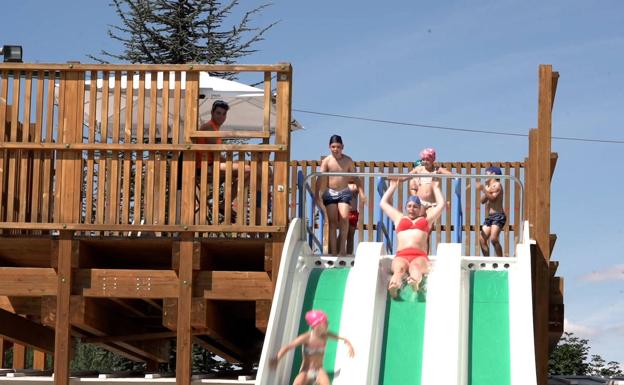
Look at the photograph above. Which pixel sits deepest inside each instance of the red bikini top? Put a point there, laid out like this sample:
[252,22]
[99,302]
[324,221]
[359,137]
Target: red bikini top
[406,224]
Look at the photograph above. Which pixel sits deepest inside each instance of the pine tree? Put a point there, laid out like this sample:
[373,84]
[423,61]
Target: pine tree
[183,31]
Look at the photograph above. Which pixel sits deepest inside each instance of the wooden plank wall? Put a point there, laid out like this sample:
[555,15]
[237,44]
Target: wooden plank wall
[443,230]
[131,154]
[27,115]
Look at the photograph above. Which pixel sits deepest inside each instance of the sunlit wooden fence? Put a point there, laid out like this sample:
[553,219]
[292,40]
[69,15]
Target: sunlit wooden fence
[97,148]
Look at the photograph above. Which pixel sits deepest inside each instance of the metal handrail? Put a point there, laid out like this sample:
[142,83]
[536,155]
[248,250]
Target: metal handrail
[459,213]
[384,230]
[458,219]
[308,222]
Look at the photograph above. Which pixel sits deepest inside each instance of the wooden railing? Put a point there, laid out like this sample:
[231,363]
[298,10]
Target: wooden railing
[473,211]
[76,154]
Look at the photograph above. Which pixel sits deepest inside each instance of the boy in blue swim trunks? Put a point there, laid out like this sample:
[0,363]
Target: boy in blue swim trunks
[336,196]
[492,196]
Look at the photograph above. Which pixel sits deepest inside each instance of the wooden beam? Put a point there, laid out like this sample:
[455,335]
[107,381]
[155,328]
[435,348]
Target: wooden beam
[553,241]
[553,163]
[555,80]
[230,134]
[30,282]
[234,285]
[148,67]
[552,268]
[217,343]
[263,309]
[97,319]
[23,331]
[21,305]
[133,283]
[132,337]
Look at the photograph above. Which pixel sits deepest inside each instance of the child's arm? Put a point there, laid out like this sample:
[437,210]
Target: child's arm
[346,341]
[293,344]
[436,212]
[385,205]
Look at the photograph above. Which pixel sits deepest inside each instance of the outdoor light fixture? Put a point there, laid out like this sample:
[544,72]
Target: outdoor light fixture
[12,53]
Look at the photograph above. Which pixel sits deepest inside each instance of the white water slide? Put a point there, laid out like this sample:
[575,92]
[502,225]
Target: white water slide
[472,325]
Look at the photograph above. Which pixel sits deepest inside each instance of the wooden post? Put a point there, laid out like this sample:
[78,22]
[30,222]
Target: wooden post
[184,336]
[69,185]
[282,158]
[531,181]
[539,212]
[62,339]
[185,266]
[5,345]
[544,122]
[19,356]
[39,359]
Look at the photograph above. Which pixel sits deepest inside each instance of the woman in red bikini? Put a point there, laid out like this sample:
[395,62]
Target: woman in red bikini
[412,230]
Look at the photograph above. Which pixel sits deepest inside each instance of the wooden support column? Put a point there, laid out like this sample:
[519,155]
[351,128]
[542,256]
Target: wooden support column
[39,359]
[19,356]
[282,159]
[184,343]
[544,126]
[62,339]
[71,107]
[541,174]
[185,292]
[5,345]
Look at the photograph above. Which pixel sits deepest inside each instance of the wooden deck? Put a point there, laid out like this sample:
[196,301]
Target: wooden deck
[109,232]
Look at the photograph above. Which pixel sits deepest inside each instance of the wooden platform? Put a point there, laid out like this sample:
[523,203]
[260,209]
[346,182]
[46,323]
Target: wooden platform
[109,230]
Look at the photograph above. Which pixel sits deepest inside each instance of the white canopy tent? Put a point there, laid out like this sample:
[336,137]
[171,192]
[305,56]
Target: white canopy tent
[246,102]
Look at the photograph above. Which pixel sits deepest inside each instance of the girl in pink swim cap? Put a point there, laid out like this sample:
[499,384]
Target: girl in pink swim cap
[313,342]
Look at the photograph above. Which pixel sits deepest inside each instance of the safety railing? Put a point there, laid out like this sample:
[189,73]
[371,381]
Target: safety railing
[313,240]
[385,227]
[118,149]
[448,228]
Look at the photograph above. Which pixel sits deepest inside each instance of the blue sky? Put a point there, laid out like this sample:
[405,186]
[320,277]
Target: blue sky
[458,64]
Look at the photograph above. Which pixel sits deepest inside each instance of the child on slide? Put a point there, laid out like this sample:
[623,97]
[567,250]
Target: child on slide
[314,342]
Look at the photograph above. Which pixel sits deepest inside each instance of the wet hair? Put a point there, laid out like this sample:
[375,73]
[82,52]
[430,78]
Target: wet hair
[494,170]
[413,198]
[335,139]
[219,104]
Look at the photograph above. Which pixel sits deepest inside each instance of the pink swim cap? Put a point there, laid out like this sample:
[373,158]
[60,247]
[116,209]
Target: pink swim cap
[315,317]
[428,154]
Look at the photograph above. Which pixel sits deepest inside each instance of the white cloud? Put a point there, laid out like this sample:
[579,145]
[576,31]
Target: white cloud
[580,330]
[613,273]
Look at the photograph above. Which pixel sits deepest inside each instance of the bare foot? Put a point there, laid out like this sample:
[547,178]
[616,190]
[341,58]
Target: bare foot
[394,286]
[414,283]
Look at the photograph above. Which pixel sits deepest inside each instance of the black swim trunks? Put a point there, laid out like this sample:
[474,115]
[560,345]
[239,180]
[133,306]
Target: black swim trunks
[332,197]
[498,219]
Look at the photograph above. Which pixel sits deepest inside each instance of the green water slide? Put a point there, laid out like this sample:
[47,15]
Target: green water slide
[401,358]
[325,291]
[489,343]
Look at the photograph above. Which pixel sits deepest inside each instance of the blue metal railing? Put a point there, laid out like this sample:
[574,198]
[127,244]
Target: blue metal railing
[385,231]
[459,213]
[385,227]
[313,239]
